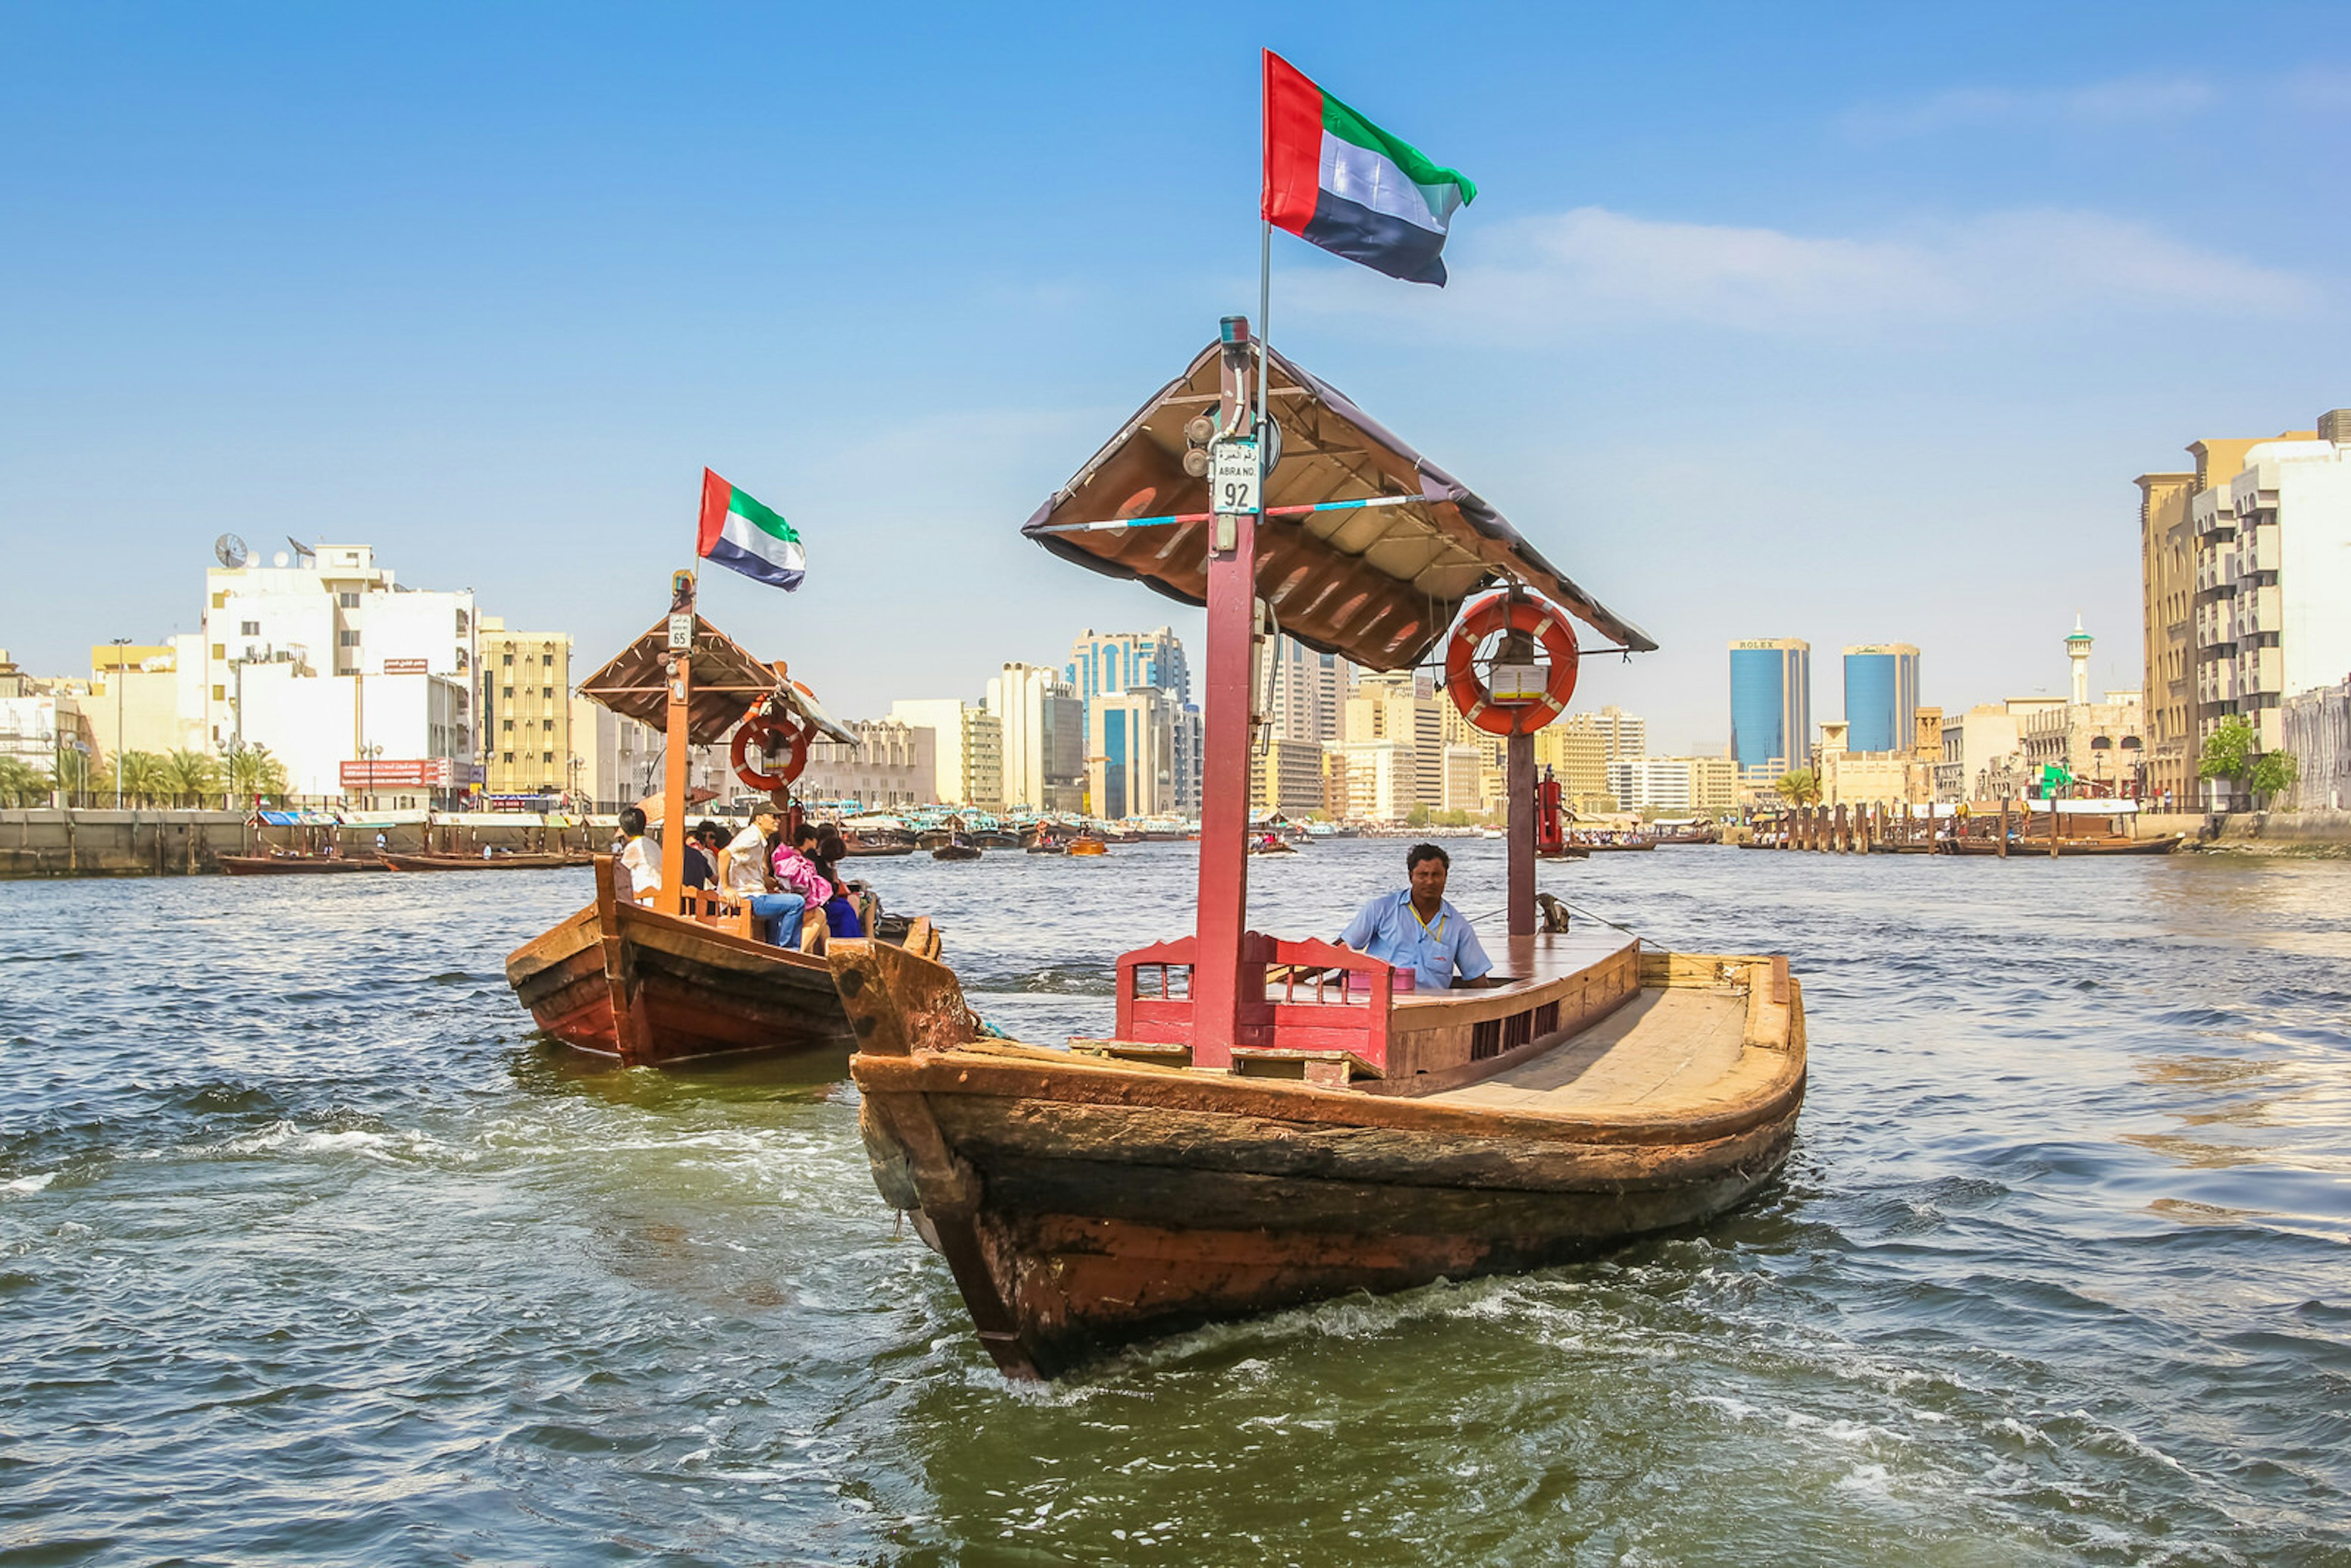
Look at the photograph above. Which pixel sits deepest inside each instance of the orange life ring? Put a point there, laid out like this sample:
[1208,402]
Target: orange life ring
[1549,626]
[772,735]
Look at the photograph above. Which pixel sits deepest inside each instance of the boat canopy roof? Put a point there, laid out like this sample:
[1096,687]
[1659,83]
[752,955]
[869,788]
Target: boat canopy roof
[1378,585]
[726,681]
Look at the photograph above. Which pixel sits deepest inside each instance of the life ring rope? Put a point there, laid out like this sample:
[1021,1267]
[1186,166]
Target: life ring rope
[1476,699]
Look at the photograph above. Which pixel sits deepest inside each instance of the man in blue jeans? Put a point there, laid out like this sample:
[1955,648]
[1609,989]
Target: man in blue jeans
[743,872]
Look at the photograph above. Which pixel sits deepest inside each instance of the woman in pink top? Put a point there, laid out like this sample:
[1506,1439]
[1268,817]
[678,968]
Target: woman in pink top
[797,873]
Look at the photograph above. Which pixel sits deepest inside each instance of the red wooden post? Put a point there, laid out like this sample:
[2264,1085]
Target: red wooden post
[1519,767]
[1223,913]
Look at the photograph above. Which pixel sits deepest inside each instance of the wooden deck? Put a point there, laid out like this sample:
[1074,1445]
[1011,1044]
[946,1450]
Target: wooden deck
[1664,1049]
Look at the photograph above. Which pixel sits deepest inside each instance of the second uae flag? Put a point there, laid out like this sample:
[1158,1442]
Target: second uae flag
[1334,179]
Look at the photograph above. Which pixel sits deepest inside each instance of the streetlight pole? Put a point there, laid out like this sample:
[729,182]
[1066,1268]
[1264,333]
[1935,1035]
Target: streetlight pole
[120,643]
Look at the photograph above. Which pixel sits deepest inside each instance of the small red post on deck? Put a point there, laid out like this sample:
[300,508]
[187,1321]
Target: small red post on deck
[1227,700]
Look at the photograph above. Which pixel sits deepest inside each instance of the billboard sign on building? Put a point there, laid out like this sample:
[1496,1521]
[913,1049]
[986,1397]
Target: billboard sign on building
[409,773]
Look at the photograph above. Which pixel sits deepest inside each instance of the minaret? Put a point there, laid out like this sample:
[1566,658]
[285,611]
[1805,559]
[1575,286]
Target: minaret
[2077,648]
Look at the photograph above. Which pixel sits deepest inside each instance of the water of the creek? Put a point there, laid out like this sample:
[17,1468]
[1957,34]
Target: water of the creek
[311,1251]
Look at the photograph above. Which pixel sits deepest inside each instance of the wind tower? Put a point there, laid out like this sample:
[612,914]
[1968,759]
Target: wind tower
[2077,648]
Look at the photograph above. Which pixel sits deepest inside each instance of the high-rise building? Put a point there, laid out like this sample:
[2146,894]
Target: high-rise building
[1401,706]
[1770,705]
[1306,689]
[1374,780]
[1044,738]
[1188,742]
[1122,661]
[1130,754]
[1881,696]
[526,709]
[968,749]
[1286,775]
[1577,755]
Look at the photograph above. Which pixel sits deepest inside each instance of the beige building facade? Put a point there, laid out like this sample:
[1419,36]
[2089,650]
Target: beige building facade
[525,703]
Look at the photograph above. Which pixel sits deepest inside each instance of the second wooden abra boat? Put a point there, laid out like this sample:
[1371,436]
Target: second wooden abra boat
[685,976]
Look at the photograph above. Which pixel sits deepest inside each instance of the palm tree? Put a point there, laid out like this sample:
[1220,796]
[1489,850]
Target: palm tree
[253,771]
[142,777]
[189,777]
[21,784]
[1799,788]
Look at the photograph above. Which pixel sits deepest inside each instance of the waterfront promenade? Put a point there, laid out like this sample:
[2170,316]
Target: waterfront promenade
[312,1253]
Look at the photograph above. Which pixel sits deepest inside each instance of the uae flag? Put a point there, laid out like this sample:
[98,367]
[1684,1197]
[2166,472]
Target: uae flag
[737,531]
[1334,179]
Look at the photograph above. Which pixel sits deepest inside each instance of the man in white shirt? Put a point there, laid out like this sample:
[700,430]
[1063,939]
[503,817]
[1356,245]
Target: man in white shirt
[639,857]
[744,873]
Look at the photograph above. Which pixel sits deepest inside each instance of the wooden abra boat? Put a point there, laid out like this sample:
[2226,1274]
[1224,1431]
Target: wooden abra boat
[1090,1199]
[1276,1122]
[2028,849]
[550,861]
[957,850]
[686,977]
[296,864]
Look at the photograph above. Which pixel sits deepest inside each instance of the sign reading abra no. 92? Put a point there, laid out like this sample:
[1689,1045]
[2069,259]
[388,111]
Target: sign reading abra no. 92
[1232,476]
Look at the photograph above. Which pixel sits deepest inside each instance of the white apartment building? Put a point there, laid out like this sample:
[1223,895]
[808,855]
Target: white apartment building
[891,765]
[1043,728]
[2273,577]
[1704,784]
[968,760]
[322,656]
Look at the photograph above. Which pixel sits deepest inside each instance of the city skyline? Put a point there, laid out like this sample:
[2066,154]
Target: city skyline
[442,300]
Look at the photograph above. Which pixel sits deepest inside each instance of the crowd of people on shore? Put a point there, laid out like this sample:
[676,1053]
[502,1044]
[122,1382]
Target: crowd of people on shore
[781,879]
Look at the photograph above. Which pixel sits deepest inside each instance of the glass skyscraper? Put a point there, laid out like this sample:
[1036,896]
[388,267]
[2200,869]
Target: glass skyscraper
[1881,697]
[1771,705]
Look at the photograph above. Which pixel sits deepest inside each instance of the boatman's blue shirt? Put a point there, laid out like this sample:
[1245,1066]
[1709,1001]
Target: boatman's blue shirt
[1389,929]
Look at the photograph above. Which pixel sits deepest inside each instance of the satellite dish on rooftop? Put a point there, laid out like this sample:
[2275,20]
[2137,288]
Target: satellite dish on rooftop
[230,550]
[278,560]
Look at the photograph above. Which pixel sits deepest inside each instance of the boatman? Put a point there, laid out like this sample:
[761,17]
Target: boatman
[1416,929]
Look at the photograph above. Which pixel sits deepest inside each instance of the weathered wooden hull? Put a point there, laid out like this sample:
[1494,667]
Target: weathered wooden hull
[2025,848]
[293,865]
[656,990]
[478,862]
[1086,1205]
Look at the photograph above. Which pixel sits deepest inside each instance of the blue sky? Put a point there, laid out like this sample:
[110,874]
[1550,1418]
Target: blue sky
[1851,324]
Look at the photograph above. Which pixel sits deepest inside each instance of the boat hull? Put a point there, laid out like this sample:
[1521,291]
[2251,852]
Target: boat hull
[293,865]
[2026,848]
[658,990]
[478,862]
[1084,1205]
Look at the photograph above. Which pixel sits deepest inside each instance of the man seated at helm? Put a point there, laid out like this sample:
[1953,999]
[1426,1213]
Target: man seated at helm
[1416,929]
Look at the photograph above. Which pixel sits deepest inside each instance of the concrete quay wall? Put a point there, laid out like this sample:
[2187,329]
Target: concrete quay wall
[43,843]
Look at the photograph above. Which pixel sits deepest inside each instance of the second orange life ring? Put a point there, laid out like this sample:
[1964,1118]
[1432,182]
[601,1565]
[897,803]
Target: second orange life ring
[1549,626]
[771,737]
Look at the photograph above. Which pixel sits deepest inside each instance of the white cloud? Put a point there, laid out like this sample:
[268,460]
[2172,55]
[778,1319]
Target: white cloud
[2127,101]
[1593,269]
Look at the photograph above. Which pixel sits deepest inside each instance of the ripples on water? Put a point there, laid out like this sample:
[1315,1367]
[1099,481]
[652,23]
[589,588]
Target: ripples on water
[311,1251]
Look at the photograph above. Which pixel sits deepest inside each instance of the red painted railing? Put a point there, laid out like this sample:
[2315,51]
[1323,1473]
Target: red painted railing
[1317,997]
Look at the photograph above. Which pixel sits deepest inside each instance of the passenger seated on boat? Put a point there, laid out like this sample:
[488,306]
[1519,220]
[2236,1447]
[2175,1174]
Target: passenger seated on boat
[700,845]
[1416,929]
[744,876]
[797,878]
[840,912]
[640,856]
